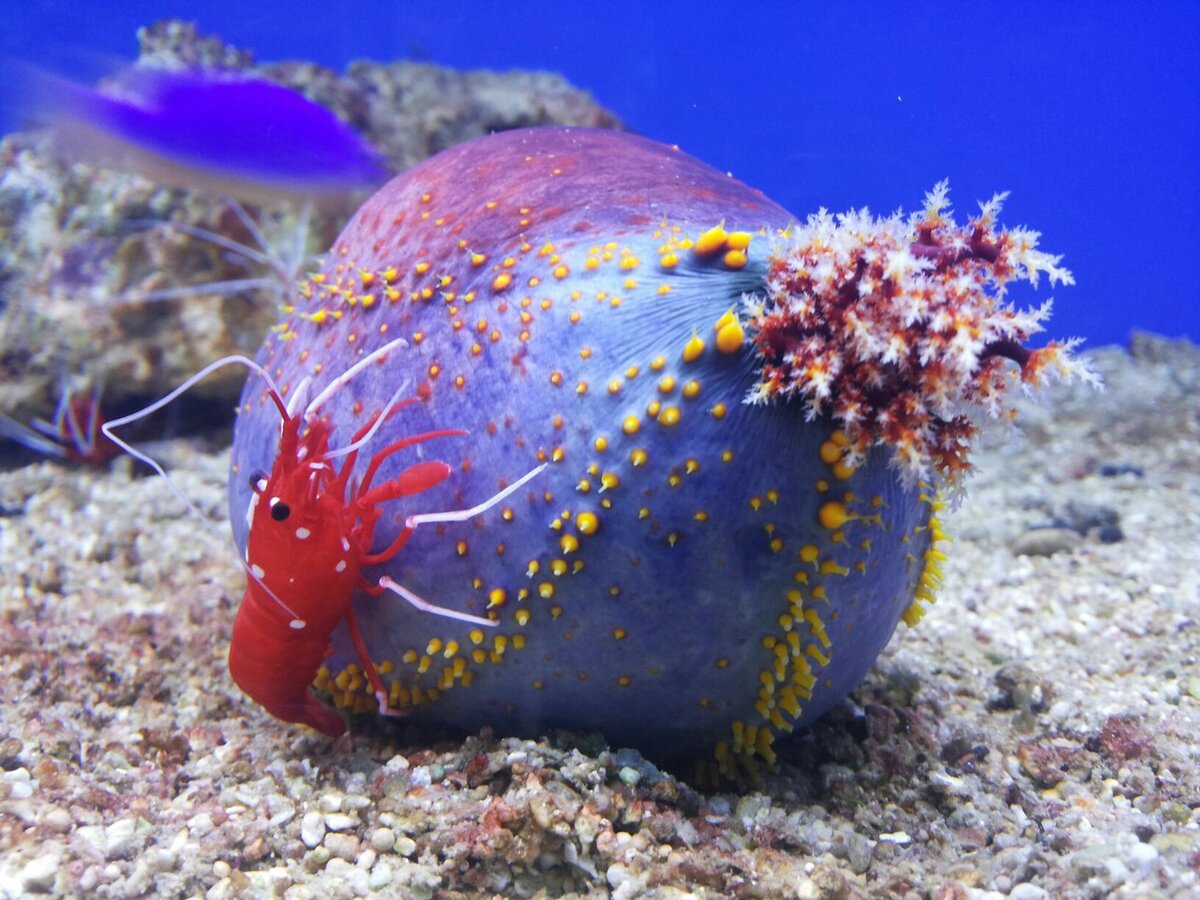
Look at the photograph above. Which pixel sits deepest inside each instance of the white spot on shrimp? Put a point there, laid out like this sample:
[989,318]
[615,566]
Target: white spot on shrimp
[345,545]
[257,571]
[253,505]
[341,566]
[297,624]
[302,533]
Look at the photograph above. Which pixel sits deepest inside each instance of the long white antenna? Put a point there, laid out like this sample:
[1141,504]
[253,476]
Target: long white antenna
[387,409]
[341,381]
[108,427]
[425,606]
[461,515]
[421,603]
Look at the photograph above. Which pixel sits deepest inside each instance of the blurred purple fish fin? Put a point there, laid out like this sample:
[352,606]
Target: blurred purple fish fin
[231,132]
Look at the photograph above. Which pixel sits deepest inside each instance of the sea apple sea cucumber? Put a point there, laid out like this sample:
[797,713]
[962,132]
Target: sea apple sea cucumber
[749,421]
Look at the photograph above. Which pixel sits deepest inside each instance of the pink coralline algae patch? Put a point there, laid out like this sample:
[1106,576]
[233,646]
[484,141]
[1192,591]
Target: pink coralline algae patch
[898,327]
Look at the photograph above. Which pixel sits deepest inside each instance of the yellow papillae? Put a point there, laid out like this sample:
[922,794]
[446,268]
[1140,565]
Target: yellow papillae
[693,349]
[730,335]
[710,241]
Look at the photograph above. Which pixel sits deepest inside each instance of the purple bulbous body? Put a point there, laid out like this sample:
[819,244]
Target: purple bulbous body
[689,572]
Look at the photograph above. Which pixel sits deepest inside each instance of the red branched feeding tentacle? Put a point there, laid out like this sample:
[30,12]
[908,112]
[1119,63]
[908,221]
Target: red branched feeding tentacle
[897,327]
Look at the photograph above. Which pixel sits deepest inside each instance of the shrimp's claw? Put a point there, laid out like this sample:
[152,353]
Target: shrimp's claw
[416,479]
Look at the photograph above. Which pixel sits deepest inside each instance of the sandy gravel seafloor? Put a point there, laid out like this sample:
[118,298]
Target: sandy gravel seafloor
[1032,737]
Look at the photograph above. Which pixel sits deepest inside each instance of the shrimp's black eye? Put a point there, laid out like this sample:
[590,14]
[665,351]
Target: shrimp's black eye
[258,481]
[279,509]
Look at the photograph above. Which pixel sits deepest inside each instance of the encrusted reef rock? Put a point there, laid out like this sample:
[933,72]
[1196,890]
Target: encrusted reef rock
[92,260]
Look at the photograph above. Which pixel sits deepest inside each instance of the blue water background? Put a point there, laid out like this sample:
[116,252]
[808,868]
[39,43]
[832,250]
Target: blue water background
[1088,112]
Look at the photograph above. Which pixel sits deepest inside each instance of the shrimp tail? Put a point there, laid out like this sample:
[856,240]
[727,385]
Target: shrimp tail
[275,664]
[306,710]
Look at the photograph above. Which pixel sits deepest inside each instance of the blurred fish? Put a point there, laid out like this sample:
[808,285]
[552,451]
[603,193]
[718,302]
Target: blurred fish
[243,136]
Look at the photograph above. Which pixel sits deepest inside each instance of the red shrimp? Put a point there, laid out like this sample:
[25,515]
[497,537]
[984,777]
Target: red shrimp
[74,434]
[310,536]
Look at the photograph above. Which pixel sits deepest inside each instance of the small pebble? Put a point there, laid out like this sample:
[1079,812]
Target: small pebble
[616,875]
[1193,687]
[312,829]
[1027,891]
[343,873]
[405,845]
[719,806]
[1173,841]
[200,824]
[859,853]
[383,839]
[1113,470]
[38,874]
[1083,516]
[10,752]
[397,763]
[381,876]
[1045,542]
[340,821]
[57,819]
[343,846]
[1144,856]
[686,832]
[118,838]
[19,784]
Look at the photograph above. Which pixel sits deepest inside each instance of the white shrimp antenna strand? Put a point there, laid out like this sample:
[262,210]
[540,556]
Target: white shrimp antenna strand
[82,434]
[461,515]
[93,423]
[236,359]
[27,437]
[63,414]
[387,409]
[108,427]
[215,238]
[220,288]
[425,606]
[255,231]
[67,417]
[293,404]
[285,271]
[296,622]
[347,376]
[299,250]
